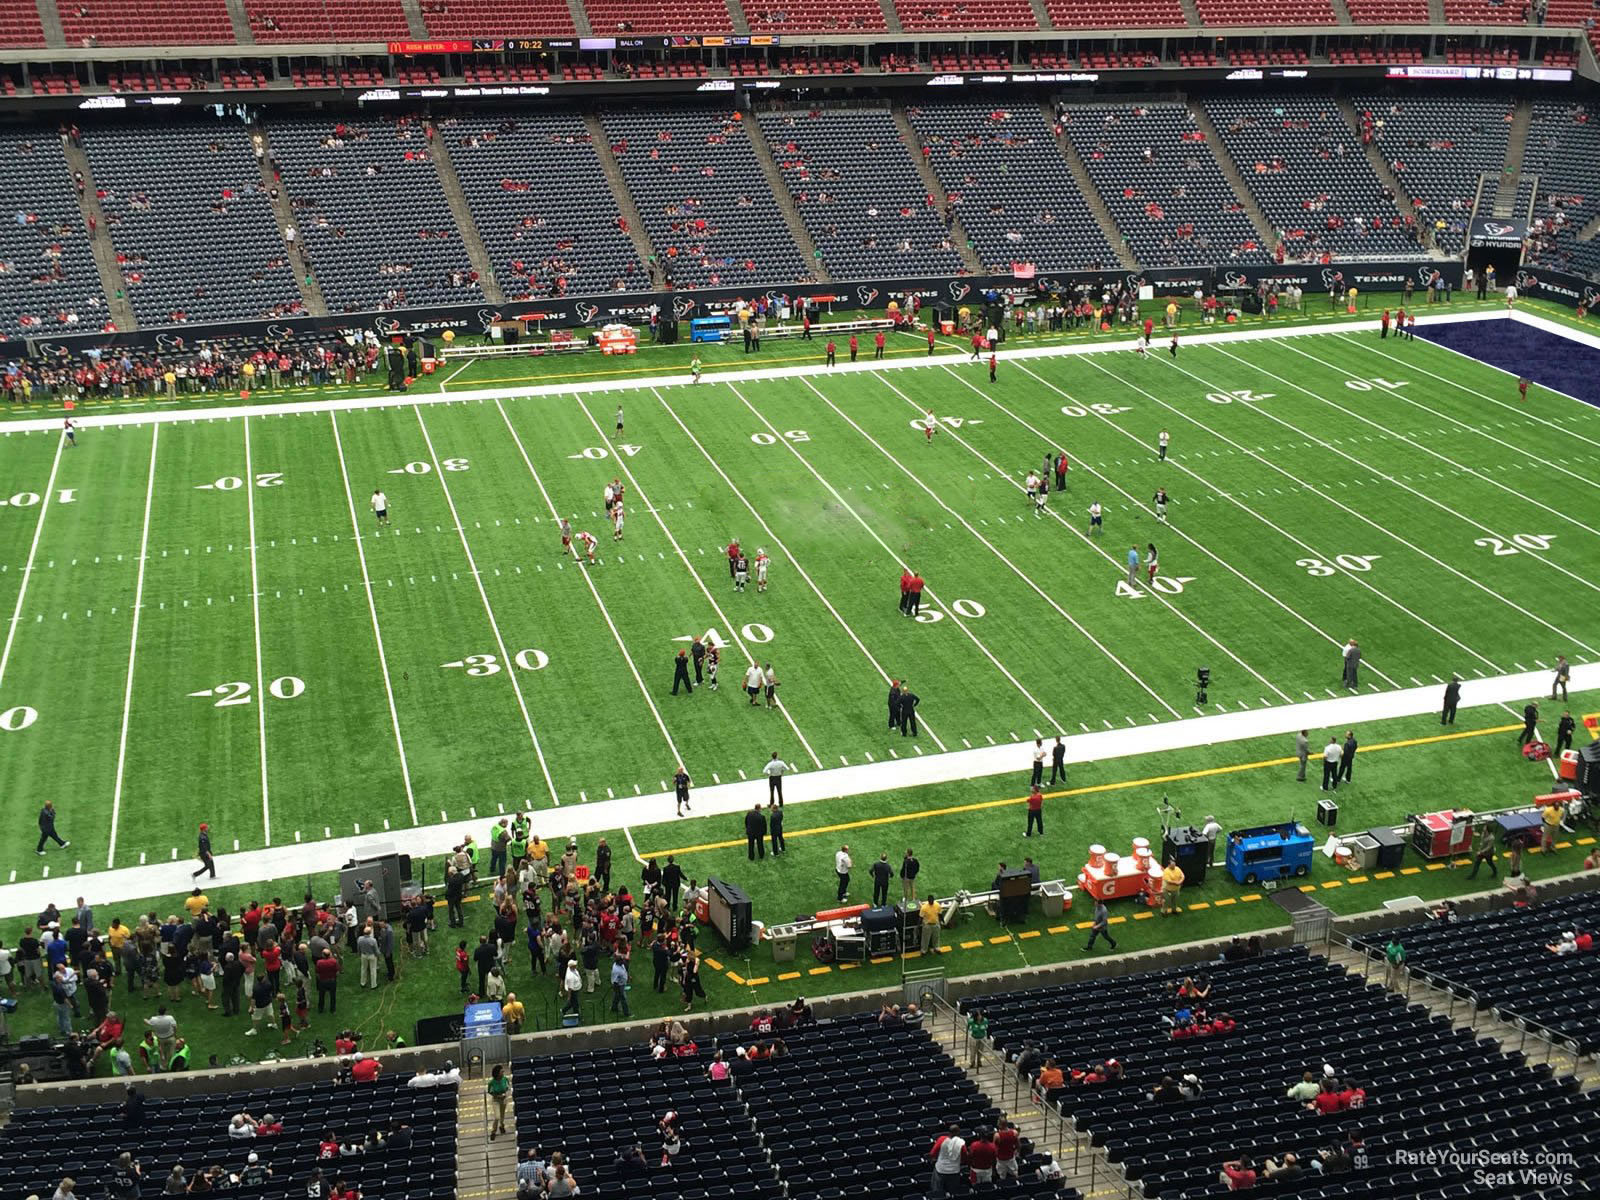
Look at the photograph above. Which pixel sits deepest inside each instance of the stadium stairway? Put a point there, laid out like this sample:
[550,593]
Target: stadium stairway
[1097,206]
[1230,172]
[414,21]
[1436,12]
[105,255]
[1341,13]
[997,1082]
[1041,14]
[486,1169]
[891,19]
[450,184]
[930,181]
[619,190]
[1380,165]
[580,19]
[242,33]
[784,198]
[1505,196]
[1191,13]
[310,289]
[50,19]
[741,23]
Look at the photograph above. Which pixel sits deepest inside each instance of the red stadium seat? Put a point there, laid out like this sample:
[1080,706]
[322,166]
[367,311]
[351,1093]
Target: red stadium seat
[496,18]
[142,22]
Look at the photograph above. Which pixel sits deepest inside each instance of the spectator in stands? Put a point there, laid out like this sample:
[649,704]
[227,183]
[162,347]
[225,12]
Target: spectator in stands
[1328,1099]
[1306,1090]
[1284,1170]
[1049,1076]
[1394,961]
[982,1155]
[530,1174]
[1566,944]
[1239,1174]
[948,1153]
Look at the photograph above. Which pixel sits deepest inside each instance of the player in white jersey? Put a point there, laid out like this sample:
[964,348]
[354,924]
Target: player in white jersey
[1031,486]
[1162,439]
[616,521]
[761,569]
[566,536]
[929,427]
[610,498]
[713,659]
[1094,518]
[587,544]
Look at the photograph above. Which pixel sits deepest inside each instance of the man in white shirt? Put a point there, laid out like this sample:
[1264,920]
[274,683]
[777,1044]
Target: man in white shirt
[1162,439]
[754,681]
[946,1156]
[841,866]
[774,772]
[380,506]
[1332,755]
[1038,762]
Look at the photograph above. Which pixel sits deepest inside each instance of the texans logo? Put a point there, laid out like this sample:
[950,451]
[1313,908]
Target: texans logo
[52,350]
[168,342]
[586,312]
[1498,228]
[959,291]
[1591,297]
[1527,280]
[866,296]
[771,297]
[1425,275]
[682,307]
[487,317]
[386,324]
[279,332]
[1236,279]
[1132,282]
[1049,285]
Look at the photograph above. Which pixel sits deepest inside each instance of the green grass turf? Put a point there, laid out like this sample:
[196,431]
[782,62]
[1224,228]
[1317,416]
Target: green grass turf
[1033,629]
[652,360]
[958,831]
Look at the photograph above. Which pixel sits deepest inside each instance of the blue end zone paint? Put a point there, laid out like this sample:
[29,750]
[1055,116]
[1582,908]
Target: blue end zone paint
[1547,359]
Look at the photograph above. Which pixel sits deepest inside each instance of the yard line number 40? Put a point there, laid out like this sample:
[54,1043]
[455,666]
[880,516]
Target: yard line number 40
[20,716]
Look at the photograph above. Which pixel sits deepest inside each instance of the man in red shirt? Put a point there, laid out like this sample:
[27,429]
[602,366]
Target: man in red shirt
[916,594]
[982,1156]
[733,556]
[1005,1149]
[327,972]
[1149,327]
[993,362]
[365,1070]
[905,591]
[1239,1174]
[979,345]
[877,344]
[854,346]
[930,339]
[1035,811]
[833,350]
[250,921]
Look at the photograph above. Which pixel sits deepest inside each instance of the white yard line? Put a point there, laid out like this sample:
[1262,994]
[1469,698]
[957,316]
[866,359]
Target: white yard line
[731,799]
[749,375]
[1314,490]
[1172,529]
[1426,449]
[677,755]
[372,611]
[255,614]
[133,650]
[733,630]
[1543,458]
[1070,527]
[894,557]
[33,552]
[995,550]
[488,610]
[790,557]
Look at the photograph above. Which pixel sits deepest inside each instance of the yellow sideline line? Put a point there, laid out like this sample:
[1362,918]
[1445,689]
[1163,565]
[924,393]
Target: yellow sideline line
[1151,781]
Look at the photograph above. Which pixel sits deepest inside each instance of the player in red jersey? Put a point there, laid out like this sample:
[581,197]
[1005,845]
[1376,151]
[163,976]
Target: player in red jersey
[929,426]
[586,540]
[905,590]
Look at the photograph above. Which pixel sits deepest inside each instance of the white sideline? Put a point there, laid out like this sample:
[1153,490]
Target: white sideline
[284,862]
[87,419]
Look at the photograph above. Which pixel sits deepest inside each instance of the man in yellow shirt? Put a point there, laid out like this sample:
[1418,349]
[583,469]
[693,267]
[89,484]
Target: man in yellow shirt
[539,856]
[1171,885]
[1551,817]
[513,1011]
[197,903]
[930,912]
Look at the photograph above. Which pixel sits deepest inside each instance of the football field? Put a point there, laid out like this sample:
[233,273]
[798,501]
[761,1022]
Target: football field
[204,622]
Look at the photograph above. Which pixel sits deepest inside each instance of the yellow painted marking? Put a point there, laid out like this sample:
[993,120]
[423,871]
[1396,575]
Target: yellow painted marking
[1332,883]
[878,962]
[819,970]
[1437,866]
[1410,870]
[1084,924]
[971,945]
[1141,916]
[1152,781]
[739,979]
[1357,879]
[945,949]
[1200,905]
[848,966]
[1059,928]
[1308,887]
[1222,903]
[1586,841]
[1001,940]
[1027,933]
[786,975]
[1383,874]
[713,964]
[1116,920]
[758,982]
